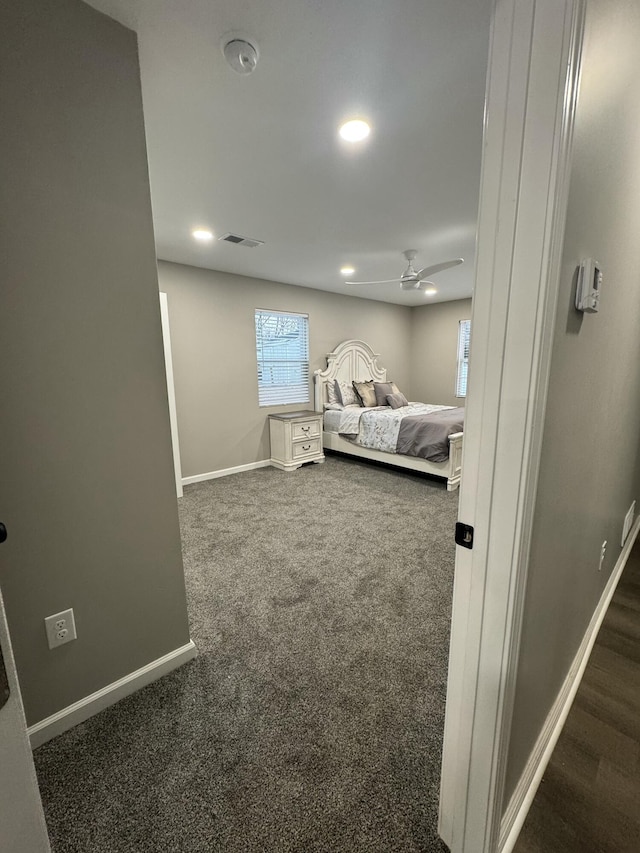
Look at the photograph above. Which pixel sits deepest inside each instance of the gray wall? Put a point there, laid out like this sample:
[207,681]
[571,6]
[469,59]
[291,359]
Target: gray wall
[434,351]
[211,315]
[86,478]
[589,473]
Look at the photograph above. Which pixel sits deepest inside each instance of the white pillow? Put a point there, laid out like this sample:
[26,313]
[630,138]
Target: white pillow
[332,393]
[347,394]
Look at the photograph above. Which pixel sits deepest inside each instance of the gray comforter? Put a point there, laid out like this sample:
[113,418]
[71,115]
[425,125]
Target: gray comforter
[427,436]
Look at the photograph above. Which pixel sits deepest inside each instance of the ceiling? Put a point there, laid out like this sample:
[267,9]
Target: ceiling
[259,155]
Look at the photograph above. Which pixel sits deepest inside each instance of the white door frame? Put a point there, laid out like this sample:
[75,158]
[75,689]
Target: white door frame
[532,86]
[171,392]
[22,824]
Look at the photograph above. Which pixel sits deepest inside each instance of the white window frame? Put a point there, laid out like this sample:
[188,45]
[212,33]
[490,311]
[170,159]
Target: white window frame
[288,372]
[462,369]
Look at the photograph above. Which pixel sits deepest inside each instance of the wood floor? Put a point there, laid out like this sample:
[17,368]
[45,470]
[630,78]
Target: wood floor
[589,798]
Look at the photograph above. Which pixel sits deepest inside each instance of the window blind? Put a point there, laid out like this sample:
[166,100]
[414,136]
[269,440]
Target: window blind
[464,334]
[282,348]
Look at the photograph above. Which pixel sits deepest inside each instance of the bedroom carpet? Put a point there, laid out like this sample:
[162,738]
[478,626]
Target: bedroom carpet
[312,718]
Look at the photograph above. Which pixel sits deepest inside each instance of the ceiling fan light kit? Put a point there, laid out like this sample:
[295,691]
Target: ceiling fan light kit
[412,279]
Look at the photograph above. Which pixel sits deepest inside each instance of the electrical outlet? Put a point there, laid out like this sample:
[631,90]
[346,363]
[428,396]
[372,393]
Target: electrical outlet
[628,522]
[603,551]
[60,628]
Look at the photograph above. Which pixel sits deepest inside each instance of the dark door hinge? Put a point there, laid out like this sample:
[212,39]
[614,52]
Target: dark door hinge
[464,535]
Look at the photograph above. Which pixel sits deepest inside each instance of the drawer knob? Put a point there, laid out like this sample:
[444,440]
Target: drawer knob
[306,447]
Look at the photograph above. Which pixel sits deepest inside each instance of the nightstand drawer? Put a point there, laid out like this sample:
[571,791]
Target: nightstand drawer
[305,430]
[306,448]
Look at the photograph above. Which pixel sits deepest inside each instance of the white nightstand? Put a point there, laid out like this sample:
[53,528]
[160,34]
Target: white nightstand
[296,438]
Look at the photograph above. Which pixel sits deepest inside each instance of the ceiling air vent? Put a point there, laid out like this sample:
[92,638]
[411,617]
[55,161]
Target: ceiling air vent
[241,241]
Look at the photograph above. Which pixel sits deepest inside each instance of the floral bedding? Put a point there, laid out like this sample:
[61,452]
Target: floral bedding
[425,432]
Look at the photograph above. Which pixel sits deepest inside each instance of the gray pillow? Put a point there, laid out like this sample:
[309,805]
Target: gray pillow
[382,389]
[397,401]
[366,393]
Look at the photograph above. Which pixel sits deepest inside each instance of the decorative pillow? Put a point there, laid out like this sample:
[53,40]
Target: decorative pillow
[382,389]
[366,393]
[333,407]
[397,401]
[332,392]
[346,394]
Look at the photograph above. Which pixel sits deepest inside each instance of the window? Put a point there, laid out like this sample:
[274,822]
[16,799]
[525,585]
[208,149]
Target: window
[282,347]
[464,333]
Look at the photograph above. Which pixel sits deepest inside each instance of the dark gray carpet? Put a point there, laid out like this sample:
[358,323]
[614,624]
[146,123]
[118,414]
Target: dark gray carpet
[312,718]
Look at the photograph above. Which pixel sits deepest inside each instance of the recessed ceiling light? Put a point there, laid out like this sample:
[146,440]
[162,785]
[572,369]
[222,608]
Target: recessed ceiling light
[354,130]
[202,234]
[347,270]
[430,291]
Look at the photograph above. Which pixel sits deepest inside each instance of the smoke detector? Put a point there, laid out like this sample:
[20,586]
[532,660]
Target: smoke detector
[241,53]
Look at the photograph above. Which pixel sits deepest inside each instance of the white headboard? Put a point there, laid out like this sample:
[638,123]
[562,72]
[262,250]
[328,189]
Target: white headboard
[350,360]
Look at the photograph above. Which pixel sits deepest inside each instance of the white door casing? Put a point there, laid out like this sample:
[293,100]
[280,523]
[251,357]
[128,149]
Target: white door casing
[22,825]
[171,393]
[532,86]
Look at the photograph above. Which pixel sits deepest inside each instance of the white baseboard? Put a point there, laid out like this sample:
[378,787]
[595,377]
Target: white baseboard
[80,711]
[224,472]
[520,803]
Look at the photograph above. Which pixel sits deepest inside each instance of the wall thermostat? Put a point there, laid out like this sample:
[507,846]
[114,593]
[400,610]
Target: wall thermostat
[588,288]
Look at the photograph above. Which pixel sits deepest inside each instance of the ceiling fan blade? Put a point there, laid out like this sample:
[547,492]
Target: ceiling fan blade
[387,281]
[432,270]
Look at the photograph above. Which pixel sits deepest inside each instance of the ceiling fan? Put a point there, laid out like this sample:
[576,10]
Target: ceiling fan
[412,279]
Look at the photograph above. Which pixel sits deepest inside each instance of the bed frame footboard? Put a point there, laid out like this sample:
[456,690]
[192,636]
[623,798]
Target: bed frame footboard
[449,470]
[455,461]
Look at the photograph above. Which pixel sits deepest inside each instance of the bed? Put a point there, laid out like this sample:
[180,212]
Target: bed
[355,361]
